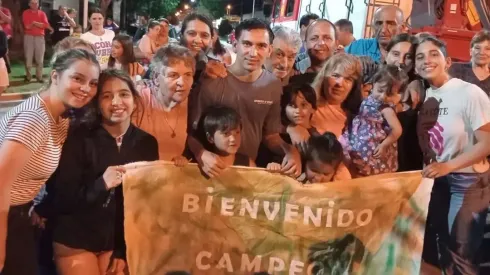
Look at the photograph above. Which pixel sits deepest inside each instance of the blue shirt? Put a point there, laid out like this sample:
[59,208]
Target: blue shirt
[367,47]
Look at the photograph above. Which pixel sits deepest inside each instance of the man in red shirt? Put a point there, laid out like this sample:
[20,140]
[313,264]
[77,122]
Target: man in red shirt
[35,21]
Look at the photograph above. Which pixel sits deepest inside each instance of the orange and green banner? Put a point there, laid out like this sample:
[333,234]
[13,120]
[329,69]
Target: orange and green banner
[249,220]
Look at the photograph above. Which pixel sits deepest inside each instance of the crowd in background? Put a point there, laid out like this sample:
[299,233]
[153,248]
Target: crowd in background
[317,105]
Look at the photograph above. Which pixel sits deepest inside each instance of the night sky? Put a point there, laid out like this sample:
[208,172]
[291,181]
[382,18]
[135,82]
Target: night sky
[247,5]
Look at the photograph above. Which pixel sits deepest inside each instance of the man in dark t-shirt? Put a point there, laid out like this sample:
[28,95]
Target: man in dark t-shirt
[62,23]
[254,93]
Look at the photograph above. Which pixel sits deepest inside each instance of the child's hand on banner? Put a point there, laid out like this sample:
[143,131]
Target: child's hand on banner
[180,161]
[274,167]
[113,176]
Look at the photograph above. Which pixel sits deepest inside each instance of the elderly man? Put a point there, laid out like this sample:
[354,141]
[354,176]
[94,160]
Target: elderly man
[387,22]
[285,47]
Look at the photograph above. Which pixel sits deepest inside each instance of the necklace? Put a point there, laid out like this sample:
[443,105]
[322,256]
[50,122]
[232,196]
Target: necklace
[173,134]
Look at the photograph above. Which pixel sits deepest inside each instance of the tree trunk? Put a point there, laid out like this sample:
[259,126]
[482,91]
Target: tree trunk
[16,46]
[104,5]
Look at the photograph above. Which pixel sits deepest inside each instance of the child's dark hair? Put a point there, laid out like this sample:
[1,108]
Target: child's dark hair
[325,148]
[128,51]
[289,94]
[392,75]
[218,49]
[217,118]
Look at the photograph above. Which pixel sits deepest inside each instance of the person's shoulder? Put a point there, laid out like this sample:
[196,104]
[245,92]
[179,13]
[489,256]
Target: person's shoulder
[144,139]
[86,35]
[109,33]
[466,89]
[142,135]
[362,42]
[270,78]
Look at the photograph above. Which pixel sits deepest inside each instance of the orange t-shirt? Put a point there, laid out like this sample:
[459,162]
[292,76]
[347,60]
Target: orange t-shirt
[169,127]
[329,118]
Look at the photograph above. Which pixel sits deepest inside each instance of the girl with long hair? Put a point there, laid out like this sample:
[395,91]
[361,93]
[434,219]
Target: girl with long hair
[31,137]
[122,57]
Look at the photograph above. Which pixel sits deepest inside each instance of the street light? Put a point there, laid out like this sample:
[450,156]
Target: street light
[177,13]
[193,1]
[228,8]
[186,6]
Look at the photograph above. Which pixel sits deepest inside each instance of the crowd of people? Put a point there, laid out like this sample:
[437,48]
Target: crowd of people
[294,103]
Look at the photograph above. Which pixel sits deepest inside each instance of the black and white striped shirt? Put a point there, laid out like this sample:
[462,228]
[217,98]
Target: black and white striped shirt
[31,124]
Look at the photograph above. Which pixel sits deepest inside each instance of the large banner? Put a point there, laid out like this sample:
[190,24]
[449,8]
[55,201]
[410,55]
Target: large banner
[249,220]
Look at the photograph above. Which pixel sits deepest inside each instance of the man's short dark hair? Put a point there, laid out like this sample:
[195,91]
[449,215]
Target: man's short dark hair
[435,41]
[253,24]
[481,36]
[345,26]
[305,19]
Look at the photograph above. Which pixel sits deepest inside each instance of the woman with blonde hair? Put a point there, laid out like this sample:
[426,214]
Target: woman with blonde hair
[338,89]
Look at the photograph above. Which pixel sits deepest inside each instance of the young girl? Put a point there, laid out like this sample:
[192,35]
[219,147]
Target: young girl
[298,103]
[85,200]
[321,162]
[370,138]
[453,129]
[31,137]
[219,130]
[122,57]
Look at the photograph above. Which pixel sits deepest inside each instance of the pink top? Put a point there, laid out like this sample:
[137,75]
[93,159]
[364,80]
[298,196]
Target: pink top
[30,16]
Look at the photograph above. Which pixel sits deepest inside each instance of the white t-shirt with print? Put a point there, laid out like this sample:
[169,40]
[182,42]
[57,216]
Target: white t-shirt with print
[448,120]
[102,45]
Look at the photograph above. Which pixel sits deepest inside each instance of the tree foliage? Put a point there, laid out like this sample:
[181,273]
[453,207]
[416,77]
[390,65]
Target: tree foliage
[154,8]
[216,8]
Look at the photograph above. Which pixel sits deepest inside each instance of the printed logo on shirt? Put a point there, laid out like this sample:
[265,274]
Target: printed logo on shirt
[263,102]
[103,51]
[430,131]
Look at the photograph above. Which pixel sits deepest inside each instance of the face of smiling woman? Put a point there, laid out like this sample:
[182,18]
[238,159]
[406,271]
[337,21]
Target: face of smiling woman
[431,64]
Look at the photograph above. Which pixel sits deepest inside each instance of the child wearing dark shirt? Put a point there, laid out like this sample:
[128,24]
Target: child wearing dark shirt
[219,130]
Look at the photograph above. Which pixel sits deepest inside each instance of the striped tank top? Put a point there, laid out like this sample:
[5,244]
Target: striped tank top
[31,124]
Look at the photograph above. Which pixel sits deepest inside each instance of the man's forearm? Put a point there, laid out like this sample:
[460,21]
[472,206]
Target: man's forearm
[276,144]
[195,146]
